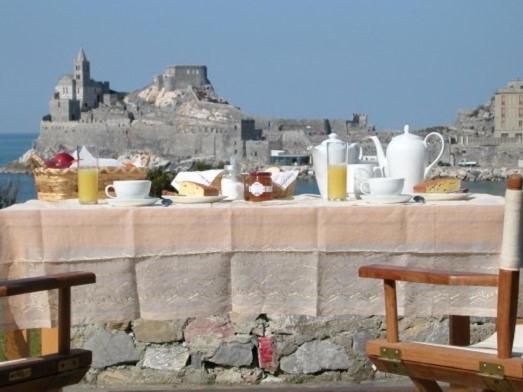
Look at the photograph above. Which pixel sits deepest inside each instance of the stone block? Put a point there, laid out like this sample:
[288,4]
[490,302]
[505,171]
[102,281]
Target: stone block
[112,348]
[166,357]
[233,354]
[137,376]
[315,356]
[285,324]
[205,335]
[153,331]
[210,326]
[360,339]
[244,323]
[196,361]
[420,329]
[117,326]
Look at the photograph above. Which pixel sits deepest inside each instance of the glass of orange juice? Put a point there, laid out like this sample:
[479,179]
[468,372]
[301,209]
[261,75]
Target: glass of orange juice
[337,154]
[87,174]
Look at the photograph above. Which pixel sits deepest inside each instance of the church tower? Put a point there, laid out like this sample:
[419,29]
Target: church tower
[82,75]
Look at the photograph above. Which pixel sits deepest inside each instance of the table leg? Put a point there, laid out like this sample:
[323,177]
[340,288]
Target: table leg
[49,340]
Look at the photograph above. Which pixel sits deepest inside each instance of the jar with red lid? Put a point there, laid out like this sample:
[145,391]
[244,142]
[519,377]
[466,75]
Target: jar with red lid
[258,186]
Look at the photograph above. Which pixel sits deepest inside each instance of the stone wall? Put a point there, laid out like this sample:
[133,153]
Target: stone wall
[113,139]
[247,349]
[494,156]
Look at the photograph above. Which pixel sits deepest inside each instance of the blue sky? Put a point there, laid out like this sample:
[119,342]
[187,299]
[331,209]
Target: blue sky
[413,61]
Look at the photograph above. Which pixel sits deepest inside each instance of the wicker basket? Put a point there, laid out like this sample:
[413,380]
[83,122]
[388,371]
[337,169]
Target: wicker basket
[61,184]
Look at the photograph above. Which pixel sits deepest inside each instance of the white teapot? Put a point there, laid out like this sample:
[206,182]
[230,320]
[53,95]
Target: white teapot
[407,157]
[319,160]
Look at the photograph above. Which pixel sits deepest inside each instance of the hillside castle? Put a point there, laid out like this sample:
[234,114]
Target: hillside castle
[178,116]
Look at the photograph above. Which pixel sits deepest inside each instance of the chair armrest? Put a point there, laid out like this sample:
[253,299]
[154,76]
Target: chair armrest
[415,275]
[42,283]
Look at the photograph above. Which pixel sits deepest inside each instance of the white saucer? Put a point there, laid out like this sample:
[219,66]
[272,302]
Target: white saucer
[386,199]
[194,199]
[445,196]
[132,202]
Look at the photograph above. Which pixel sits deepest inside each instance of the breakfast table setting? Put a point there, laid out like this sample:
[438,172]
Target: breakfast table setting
[205,251]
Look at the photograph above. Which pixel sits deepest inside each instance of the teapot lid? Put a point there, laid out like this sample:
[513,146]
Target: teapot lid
[407,134]
[333,138]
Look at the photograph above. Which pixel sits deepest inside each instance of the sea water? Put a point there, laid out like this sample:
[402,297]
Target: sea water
[13,145]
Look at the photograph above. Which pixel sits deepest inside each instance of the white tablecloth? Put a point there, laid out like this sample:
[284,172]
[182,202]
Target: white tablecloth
[297,257]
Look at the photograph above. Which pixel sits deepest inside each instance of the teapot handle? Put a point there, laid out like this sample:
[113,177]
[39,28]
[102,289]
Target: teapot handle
[427,169]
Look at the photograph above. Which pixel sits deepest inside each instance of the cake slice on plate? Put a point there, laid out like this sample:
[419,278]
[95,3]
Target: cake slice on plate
[189,188]
[439,185]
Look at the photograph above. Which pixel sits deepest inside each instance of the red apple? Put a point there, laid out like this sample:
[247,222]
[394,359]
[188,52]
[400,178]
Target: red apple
[62,160]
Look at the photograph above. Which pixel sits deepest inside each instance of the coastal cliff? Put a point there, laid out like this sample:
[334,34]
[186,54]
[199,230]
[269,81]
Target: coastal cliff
[178,116]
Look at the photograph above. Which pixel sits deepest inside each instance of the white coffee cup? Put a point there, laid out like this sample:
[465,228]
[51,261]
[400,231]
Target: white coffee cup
[384,186]
[356,174]
[129,189]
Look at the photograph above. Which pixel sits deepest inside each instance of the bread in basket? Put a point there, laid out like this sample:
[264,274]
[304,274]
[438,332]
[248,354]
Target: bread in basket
[60,184]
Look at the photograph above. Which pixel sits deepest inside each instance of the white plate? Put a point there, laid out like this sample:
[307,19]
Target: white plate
[392,199]
[194,199]
[445,196]
[132,202]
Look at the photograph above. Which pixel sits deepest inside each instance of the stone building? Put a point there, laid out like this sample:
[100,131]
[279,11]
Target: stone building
[508,111]
[79,93]
[182,76]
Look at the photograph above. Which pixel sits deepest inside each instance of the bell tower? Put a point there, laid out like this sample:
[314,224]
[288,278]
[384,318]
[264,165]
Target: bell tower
[82,74]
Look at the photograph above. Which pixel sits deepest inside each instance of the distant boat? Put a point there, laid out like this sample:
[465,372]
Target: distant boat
[467,163]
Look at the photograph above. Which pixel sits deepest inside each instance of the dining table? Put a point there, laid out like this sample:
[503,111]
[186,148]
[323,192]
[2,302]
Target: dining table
[298,256]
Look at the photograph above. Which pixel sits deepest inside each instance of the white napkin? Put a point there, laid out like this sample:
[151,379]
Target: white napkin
[87,157]
[284,179]
[200,177]
[107,162]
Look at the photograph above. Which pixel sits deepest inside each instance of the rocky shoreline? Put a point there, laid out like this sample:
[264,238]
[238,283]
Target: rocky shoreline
[474,174]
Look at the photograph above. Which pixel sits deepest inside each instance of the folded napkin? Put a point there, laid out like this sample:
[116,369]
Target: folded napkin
[86,156]
[284,179]
[207,177]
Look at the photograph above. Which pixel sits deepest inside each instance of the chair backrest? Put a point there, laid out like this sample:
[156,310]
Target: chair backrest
[53,371]
[510,263]
[511,247]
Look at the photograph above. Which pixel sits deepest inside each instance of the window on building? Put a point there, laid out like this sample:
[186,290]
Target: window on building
[504,135]
[236,151]
[520,123]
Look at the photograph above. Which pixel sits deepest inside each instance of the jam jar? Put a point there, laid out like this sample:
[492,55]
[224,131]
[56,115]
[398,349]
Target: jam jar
[258,186]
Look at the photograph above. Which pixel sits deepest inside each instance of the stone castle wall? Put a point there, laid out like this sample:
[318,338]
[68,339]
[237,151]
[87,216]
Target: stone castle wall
[174,142]
[239,349]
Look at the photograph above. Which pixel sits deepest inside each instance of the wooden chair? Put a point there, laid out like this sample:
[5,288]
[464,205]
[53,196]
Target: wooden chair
[47,372]
[495,364]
